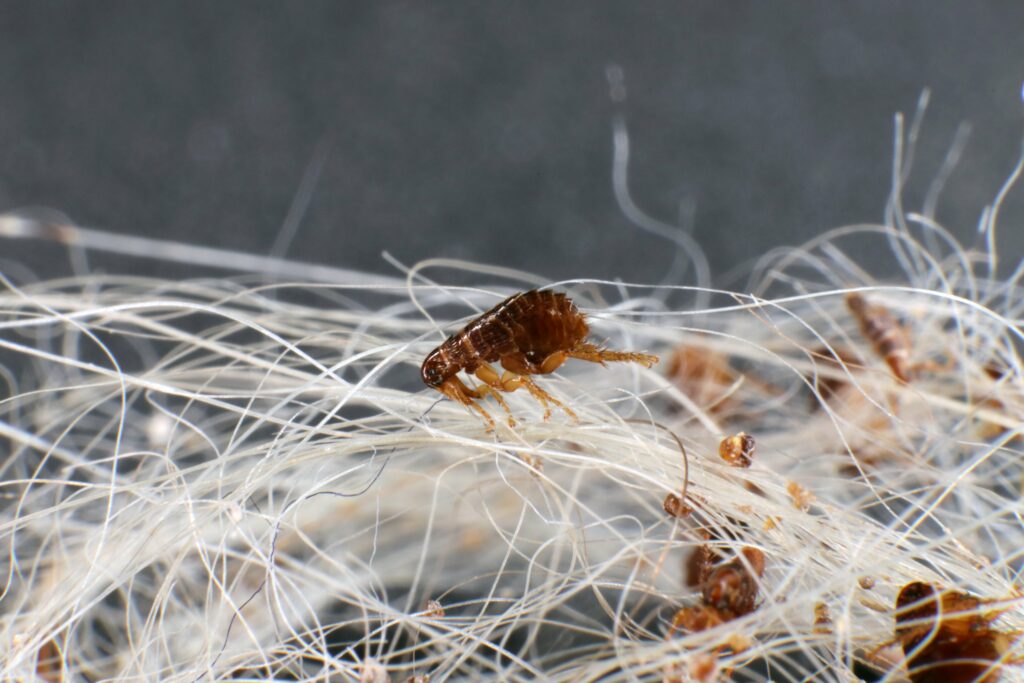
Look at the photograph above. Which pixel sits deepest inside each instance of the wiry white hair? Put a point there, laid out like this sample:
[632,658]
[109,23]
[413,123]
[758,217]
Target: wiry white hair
[244,479]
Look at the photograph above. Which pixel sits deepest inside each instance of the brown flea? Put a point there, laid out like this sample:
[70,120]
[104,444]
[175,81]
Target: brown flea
[947,636]
[530,333]
[737,450]
[866,582]
[888,338]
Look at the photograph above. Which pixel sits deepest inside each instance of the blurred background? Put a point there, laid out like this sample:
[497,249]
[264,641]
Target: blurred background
[483,131]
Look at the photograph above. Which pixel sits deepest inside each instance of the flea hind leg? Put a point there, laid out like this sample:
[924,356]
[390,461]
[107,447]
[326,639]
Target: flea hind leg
[518,367]
[545,398]
[552,362]
[595,354]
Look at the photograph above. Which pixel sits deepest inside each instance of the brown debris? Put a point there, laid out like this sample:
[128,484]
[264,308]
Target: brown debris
[738,449]
[675,507]
[802,498]
[947,636]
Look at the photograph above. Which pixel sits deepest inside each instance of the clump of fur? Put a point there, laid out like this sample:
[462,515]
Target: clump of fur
[245,479]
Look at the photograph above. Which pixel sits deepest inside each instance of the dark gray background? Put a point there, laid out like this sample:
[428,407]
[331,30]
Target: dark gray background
[483,130]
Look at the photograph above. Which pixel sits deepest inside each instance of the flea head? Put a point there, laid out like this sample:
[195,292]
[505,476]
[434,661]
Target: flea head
[435,369]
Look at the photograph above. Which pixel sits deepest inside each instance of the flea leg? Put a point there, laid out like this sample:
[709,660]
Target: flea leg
[595,354]
[483,413]
[492,385]
[519,367]
[457,391]
[508,381]
[552,362]
[517,364]
[545,398]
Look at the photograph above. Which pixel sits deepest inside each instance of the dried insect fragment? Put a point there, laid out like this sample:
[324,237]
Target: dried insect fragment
[696,619]
[888,338]
[878,664]
[737,450]
[50,666]
[675,507]
[699,564]
[728,591]
[704,668]
[433,609]
[530,333]
[704,376]
[836,363]
[1003,398]
[801,497]
[872,442]
[731,587]
[49,661]
[822,618]
[372,671]
[706,556]
[947,636]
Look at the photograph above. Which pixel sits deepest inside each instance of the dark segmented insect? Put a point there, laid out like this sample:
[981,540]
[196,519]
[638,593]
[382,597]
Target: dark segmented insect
[888,338]
[728,591]
[530,333]
[947,636]
[731,588]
